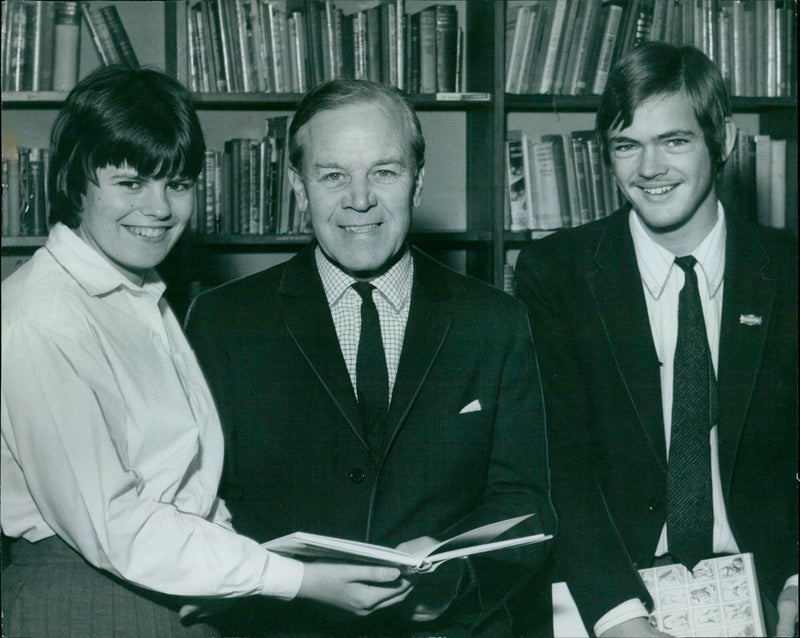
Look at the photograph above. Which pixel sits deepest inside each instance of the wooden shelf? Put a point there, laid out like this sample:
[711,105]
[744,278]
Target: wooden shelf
[294,241]
[23,242]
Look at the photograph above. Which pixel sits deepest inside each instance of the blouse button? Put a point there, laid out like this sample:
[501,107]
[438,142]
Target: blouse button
[357,475]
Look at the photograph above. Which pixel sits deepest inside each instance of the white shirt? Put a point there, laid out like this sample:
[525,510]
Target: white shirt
[110,437]
[662,281]
[392,297]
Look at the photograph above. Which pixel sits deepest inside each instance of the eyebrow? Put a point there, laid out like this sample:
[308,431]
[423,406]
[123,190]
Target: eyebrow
[661,136]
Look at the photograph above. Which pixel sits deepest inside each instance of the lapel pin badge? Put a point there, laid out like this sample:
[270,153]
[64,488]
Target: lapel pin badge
[750,320]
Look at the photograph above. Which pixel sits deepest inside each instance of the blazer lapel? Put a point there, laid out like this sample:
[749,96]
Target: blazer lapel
[428,324]
[749,290]
[308,320]
[617,288]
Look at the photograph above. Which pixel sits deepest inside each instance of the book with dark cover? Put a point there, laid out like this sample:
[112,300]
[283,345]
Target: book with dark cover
[119,36]
[101,34]
[413,61]
[446,46]
[427,50]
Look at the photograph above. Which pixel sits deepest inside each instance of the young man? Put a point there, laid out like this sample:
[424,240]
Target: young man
[638,396]
[440,432]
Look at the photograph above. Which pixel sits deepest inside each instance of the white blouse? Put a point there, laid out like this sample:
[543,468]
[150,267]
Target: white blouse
[110,436]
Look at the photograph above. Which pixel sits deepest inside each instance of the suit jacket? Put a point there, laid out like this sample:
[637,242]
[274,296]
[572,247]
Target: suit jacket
[296,454]
[603,399]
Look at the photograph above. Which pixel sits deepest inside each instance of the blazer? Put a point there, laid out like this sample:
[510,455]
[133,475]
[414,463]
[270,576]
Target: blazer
[297,457]
[603,399]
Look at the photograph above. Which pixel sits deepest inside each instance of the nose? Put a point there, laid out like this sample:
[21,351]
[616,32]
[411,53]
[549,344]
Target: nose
[156,203]
[651,163]
[359,195]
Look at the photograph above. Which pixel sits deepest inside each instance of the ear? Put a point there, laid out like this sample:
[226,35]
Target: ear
[730,137]
[296,182]
[417,199]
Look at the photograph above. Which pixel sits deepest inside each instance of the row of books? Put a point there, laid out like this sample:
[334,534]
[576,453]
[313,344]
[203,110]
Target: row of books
[24,174]
[754,178]
[244,189]
[556,181]
[290,47]
[568,47]
[41,42]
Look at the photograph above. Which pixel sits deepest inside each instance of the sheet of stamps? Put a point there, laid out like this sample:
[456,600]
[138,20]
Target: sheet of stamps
[718,598]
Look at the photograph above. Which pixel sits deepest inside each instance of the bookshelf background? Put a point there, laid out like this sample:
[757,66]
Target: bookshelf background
[461,220]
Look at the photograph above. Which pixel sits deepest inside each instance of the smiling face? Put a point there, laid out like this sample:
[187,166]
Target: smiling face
[359,183]
[664,168]
[133,221]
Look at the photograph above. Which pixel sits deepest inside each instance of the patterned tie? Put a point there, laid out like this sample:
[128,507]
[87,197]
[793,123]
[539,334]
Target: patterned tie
[372,379]
[690,516]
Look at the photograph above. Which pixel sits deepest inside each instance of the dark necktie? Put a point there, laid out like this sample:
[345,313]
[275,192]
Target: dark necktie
[372,379]
[690,515]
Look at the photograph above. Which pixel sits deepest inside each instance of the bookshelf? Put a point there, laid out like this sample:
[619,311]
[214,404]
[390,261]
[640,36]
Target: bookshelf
[462,217]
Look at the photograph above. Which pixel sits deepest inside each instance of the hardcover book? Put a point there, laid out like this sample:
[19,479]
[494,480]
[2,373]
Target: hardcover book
[475,541]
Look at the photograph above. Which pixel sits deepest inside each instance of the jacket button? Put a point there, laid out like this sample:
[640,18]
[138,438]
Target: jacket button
[654,505]
[357,475]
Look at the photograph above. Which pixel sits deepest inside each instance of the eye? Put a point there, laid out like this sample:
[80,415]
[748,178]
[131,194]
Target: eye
[334,178]
[676,142]
[180,185]
[385,174]
[623,149]
[130,184]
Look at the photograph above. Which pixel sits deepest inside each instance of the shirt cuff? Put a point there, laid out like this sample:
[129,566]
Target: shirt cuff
[282,577]
[791,582]
[630,609]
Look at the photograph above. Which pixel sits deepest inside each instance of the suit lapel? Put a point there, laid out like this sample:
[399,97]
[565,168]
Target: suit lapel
[749,290]
[428,324]
[308,320]
[617,289]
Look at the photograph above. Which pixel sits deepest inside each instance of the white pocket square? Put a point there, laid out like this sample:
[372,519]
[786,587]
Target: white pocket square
[472,406]
[750,320]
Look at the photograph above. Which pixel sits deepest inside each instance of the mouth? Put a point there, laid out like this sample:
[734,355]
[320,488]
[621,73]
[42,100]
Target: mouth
[361,229]
[659,190]
[147,232]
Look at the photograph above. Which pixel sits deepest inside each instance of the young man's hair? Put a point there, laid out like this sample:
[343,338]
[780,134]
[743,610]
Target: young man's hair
[345,92]
[118,115]
[657,69]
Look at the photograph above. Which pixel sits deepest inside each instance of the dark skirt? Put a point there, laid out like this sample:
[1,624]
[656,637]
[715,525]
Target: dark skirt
[50,591]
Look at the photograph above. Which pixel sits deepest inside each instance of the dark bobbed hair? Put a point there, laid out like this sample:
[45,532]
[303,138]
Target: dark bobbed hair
[345,92]
[655,69]
[117,115]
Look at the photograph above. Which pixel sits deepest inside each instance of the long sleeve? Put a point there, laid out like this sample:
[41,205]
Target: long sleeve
[110,439]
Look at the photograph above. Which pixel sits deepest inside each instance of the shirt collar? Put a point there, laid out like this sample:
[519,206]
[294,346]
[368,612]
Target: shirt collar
[655,262]
[394,284]
[93,272]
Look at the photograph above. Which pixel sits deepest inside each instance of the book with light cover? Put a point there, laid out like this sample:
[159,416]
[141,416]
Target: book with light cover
[475,541]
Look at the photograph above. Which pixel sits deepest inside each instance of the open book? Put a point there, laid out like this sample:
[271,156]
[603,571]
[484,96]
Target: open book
[475,541]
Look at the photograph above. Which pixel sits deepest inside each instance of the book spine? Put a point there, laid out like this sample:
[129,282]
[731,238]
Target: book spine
[331,54]
[17,38]
[553,43]
[530,183]
[427,43]
[515,177]
[413,53]
[38,35]
[446,46]
[527,52]
[373,44]
[14,202]
[577,84]
[763,163]
[567,46]
[212,24]
[301,51]
[242,52]
[119,36]
[777,197]
[6,186]
[518,21]
[548,203]
[207,206]
[314,29]
[401,21]
[581,163]
[31,50]
[560,168]
[38,207]
[610,34]
[254,195]
[66,46]
[596,179]
[101,36]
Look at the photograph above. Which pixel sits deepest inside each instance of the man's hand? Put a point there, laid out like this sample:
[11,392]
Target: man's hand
[633,628]
[787,612]
[433,592]
[357,589]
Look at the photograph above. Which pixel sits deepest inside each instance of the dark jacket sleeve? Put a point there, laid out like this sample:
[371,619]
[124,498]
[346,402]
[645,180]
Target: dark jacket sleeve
[589,552]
